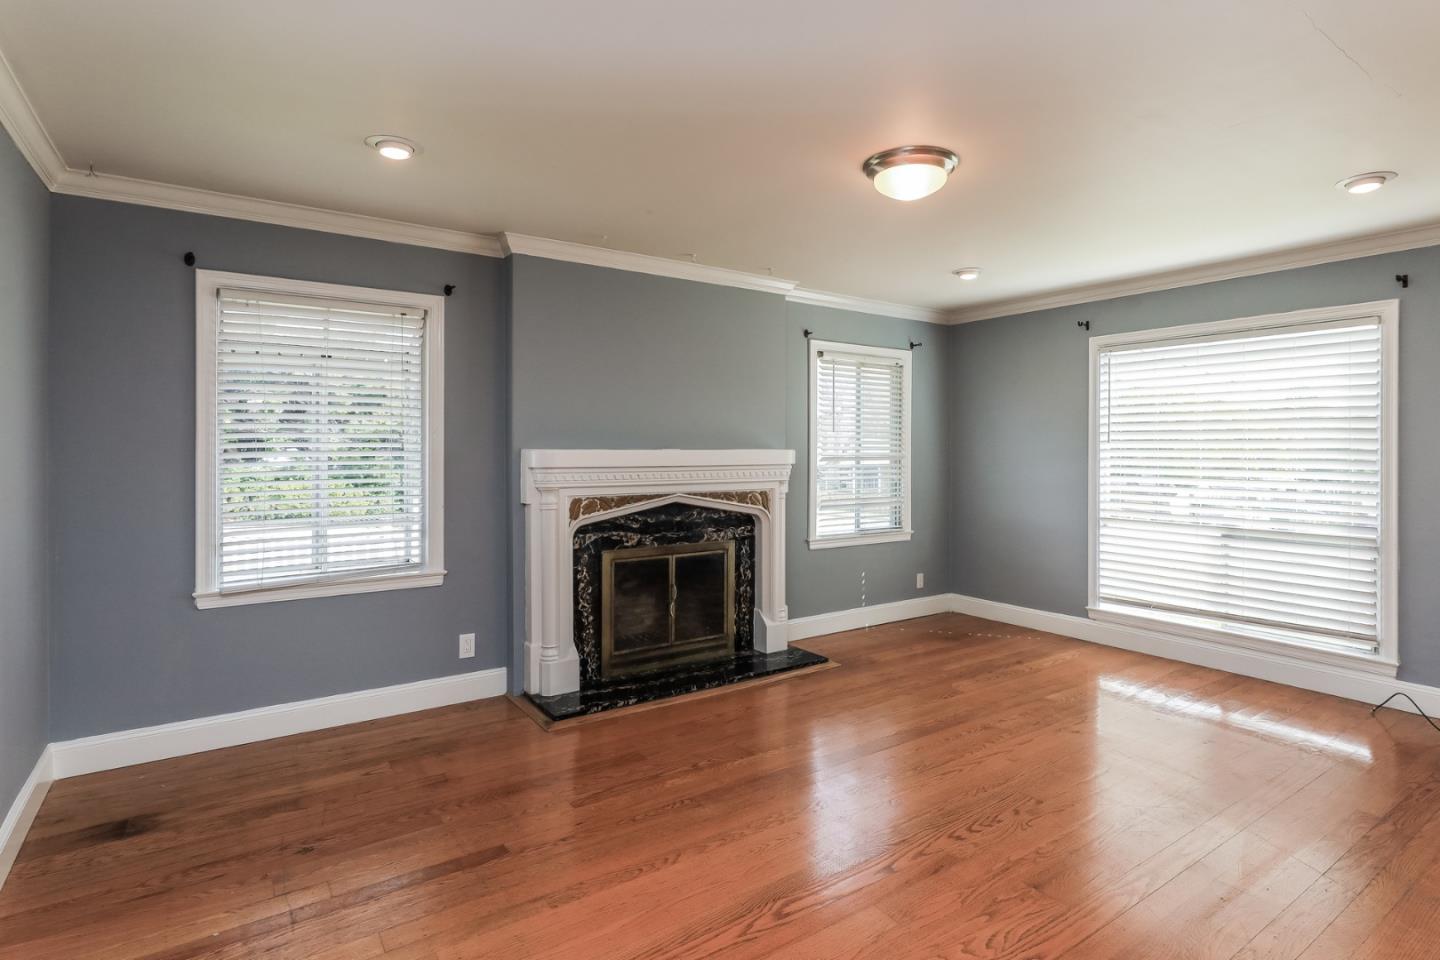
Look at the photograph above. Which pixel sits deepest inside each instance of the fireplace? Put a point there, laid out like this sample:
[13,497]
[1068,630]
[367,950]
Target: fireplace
[657,588]
[666,605]
[652,574]
[579,504]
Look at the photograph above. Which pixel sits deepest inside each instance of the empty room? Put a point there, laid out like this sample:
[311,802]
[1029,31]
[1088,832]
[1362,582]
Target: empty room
[756,481]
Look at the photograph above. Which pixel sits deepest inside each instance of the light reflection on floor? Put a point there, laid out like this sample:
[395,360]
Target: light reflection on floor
[1205,710]
[852,807]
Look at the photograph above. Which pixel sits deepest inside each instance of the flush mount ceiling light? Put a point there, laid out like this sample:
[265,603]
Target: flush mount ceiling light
[1366,182]
[393,148]
[909,173]
[967,273]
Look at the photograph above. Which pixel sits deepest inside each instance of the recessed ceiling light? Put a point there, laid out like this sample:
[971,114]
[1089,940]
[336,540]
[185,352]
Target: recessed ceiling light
[909,173]
[967,273]
[1366,182]
[393,148]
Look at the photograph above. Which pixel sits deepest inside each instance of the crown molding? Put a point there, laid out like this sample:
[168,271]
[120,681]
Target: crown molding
[18,116]
[882,308]
[102,186]
[702,273]
[1333,251]
[641,263]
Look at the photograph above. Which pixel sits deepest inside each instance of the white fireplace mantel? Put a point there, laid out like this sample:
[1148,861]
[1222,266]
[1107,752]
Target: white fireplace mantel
[563,490]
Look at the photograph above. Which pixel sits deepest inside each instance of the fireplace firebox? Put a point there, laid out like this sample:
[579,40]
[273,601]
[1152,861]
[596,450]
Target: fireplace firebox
[666,605]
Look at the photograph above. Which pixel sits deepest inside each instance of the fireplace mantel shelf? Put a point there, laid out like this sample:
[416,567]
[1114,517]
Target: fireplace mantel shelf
[633,480]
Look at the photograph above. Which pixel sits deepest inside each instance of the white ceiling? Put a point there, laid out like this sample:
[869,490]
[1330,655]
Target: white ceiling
[1099,140]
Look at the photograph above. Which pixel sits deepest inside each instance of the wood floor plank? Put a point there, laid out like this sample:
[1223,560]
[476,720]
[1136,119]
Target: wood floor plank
[957,788]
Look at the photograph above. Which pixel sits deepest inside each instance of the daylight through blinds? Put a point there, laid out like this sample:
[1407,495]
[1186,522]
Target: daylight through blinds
[860,444]
[320,431]
[1239,480]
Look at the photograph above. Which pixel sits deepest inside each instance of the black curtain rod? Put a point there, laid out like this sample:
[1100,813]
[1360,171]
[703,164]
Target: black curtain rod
[449,288]
[913,343]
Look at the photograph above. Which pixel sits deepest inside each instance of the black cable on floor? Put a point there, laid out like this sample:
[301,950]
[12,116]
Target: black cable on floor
[1412,703]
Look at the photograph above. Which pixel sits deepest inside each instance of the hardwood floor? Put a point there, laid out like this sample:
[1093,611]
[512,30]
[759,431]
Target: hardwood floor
[957,788]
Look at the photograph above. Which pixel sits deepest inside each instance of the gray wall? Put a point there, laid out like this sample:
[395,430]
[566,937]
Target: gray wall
[607,359]
[130,649]
[821,581]
[24,286]
[1018,447]
[539,354]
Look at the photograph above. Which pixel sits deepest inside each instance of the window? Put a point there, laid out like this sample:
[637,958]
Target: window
[859,444]
[318,440]
[1243,485]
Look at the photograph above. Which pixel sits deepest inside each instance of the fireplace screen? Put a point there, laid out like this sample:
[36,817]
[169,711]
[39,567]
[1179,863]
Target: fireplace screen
[665,605]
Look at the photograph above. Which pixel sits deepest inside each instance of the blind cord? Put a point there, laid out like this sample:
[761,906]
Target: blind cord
[1375,709]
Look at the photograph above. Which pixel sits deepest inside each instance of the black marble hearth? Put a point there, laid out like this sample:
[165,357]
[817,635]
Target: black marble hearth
[674,523]
[669,524]
[603,695]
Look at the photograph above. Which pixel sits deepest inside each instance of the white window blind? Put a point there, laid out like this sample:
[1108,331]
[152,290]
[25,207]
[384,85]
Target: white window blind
[861,438]
[319,439]
[1238,481]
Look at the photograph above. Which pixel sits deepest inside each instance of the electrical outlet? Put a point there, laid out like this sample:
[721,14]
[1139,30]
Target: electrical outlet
[467,645]
[919,581]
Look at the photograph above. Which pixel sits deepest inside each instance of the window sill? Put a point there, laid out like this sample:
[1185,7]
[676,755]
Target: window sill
[887,536]
[326,588]
[1376,664]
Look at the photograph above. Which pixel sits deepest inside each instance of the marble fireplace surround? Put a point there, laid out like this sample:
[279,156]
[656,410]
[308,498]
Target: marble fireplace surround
[563,490]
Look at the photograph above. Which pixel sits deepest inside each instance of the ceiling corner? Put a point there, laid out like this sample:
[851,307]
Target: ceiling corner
[18,117]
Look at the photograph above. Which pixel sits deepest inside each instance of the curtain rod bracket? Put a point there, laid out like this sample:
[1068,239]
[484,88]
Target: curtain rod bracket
[1083,324]
[915,343]
[1403,279]
[449,289]
[189,259]
[807,334]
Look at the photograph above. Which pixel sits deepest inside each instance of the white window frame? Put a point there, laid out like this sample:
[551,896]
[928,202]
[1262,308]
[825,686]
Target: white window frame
[905,532]
[431,573]
[1385,661]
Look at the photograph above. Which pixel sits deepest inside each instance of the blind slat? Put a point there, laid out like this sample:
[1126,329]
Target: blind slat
[320,427]
[859,444]
[1238,480]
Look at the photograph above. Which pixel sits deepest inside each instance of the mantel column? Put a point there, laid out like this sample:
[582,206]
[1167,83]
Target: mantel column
[556,664]
[782,610]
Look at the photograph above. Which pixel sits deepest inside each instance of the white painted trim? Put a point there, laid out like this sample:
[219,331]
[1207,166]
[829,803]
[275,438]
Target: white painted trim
[1388,311]
[1338,680]
[857,618]
[882,308]
[903,357]
[1224,638]
[22,812]
[149,193]
[860,540]
[1291,258]
[513,243]
[611,465]
[1387,658]
[552,479]
[18,117]
[207,595]
[73,758]
[321,588]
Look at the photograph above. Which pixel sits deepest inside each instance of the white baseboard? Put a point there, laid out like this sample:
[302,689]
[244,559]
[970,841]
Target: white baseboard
[1337,680]
[1324,678]
[22,812]
[110,751]
[801,628]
